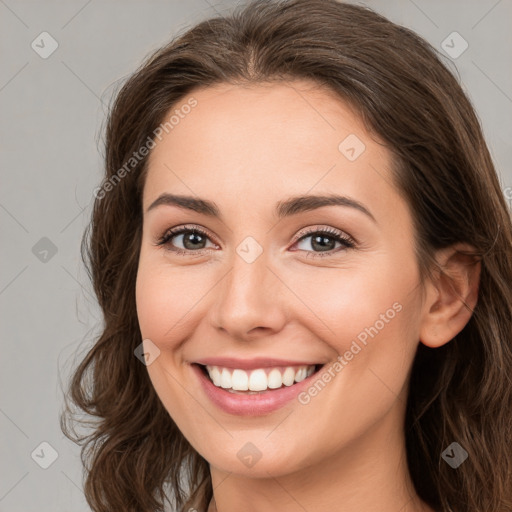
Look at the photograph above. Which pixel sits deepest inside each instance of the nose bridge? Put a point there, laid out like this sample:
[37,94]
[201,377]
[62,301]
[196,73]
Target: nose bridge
[248,298]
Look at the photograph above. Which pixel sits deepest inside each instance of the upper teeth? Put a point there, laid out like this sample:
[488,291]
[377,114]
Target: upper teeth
[259,379]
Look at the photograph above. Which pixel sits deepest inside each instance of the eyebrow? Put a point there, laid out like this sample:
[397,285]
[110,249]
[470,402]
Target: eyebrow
[292,206]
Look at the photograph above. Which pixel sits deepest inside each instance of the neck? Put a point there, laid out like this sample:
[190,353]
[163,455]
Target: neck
[371,474]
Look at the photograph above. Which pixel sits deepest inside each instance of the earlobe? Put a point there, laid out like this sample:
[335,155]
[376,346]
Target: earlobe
[451,296]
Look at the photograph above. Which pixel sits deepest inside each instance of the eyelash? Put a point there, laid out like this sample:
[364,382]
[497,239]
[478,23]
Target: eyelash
[336,235]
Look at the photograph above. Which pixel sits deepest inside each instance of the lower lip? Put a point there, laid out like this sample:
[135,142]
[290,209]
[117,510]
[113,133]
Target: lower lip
[264,402]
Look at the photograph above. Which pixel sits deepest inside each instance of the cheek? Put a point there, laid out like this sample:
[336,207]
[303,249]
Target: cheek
[376,343]
[165,298]
[151,299]
[347,304]
[369,318]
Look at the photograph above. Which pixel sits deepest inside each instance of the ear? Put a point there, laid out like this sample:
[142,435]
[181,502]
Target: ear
[451,295]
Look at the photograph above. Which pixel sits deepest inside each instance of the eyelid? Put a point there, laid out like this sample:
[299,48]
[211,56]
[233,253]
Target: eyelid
[170,233]
[178,230]
[323,229]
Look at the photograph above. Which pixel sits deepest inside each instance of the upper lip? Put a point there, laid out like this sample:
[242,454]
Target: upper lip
[251,364]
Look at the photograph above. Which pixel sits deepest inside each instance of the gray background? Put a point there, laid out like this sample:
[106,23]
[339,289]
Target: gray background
[53,112]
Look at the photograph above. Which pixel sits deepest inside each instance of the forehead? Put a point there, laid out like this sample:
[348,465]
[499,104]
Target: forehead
[286,115]
[267,140]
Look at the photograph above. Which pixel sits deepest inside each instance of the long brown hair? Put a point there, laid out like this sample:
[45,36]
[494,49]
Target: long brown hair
[136,458]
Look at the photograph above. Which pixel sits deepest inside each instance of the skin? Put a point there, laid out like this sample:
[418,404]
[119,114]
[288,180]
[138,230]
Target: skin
[246,148]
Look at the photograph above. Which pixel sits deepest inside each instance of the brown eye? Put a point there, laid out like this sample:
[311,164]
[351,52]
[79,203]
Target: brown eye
[191,239]
[324,241]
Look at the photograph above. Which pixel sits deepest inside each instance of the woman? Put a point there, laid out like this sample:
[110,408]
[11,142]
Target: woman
[301,251]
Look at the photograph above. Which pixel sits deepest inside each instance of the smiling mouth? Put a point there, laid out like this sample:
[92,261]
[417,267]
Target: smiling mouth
[258,380]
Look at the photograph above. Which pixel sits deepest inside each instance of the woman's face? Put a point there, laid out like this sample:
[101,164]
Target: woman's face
[272,283]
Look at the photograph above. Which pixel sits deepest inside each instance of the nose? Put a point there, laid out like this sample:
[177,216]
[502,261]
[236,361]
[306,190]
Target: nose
[250,300]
